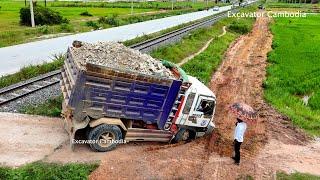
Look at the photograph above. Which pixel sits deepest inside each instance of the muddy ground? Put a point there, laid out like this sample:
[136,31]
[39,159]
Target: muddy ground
[266,145]
[270,145]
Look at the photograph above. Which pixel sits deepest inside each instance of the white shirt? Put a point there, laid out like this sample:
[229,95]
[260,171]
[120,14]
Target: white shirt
[239,131]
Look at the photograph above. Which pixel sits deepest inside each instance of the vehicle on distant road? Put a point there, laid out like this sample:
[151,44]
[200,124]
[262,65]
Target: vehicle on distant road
[261,6]
[243,4]
[216,8]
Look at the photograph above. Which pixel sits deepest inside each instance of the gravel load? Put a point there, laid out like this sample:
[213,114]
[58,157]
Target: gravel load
[117,56]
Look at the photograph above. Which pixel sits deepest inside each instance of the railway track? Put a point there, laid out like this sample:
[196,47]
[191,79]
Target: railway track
[30,86]
[145,45]
[19,90]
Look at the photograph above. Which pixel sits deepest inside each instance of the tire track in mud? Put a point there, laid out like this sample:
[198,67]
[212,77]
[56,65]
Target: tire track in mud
[240,79]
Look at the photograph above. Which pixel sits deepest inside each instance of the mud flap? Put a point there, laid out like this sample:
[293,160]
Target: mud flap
[76,125]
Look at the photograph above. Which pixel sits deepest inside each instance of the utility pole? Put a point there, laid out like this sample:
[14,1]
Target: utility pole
[131,7]
[171,4]
[32,14]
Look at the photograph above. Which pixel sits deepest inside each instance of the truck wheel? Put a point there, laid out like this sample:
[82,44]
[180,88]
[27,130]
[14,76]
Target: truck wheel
[182,135]
[102,136]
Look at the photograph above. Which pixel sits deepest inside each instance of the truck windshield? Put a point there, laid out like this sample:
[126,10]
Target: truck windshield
[189,102]
[206,106]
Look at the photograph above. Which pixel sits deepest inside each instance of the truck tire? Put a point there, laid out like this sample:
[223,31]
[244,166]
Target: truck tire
[102,135]
[182,135]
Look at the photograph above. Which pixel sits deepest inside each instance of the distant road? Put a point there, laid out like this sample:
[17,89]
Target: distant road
[13,58]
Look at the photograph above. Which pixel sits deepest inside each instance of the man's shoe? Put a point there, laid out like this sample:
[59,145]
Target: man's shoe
[237,163]
[233,158]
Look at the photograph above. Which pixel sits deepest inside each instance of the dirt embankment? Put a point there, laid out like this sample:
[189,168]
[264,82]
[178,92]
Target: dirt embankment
[240,79]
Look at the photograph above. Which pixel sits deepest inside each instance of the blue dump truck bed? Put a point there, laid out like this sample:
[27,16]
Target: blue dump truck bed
[100,91]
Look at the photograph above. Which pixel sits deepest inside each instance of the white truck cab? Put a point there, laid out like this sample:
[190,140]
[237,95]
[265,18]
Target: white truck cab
[198,107]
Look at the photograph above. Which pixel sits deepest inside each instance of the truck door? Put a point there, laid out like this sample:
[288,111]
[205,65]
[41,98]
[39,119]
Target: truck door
[202,113]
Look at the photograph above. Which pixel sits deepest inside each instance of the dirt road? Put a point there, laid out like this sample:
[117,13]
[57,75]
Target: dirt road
[26,138]
[239,78]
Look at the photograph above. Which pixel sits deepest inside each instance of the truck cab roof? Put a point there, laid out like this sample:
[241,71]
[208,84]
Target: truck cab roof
[198,87]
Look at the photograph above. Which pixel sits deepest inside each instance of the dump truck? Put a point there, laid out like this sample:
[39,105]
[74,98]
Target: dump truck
[117,106]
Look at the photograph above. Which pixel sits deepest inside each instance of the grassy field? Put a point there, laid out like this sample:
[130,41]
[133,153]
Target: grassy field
[137,5]
[276,6]
[294,71]
[290,5]
[40,170]
[11,32]
[296,176]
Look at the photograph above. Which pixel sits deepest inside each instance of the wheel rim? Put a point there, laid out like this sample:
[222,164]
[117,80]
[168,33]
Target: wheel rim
[185,135]
[105,139]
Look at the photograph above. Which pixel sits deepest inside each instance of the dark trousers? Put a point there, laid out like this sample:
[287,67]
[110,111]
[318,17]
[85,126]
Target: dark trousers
[237,151]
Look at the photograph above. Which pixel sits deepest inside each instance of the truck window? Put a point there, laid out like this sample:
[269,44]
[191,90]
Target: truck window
[206,106]
[189,103]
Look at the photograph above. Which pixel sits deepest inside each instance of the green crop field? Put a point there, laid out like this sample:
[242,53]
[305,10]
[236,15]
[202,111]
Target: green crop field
[294,71]
[302,7]
[11,32]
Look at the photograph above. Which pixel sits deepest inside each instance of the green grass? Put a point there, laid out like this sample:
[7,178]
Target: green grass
[137,5]
[31,71]
[51,107]
[203,65]
[41,170]
[123,20]
[11,32]
[296,176]
[281,6]
[294,70]
[290,5]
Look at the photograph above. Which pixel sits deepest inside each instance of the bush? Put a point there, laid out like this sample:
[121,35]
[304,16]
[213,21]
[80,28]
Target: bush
[92,24]
[66,27]
[239,27]
[111,20]
[44,29]
[42,16]
[85,13]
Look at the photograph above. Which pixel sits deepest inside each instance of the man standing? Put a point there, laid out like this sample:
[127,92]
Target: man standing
[238,139]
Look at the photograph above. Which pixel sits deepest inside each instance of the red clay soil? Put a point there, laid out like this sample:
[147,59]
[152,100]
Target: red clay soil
[239,78]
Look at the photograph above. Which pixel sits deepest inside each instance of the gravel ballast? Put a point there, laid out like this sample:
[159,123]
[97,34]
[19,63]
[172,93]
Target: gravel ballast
[117,56]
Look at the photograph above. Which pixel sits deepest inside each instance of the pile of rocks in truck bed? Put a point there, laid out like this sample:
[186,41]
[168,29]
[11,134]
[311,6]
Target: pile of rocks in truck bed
[117,56]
